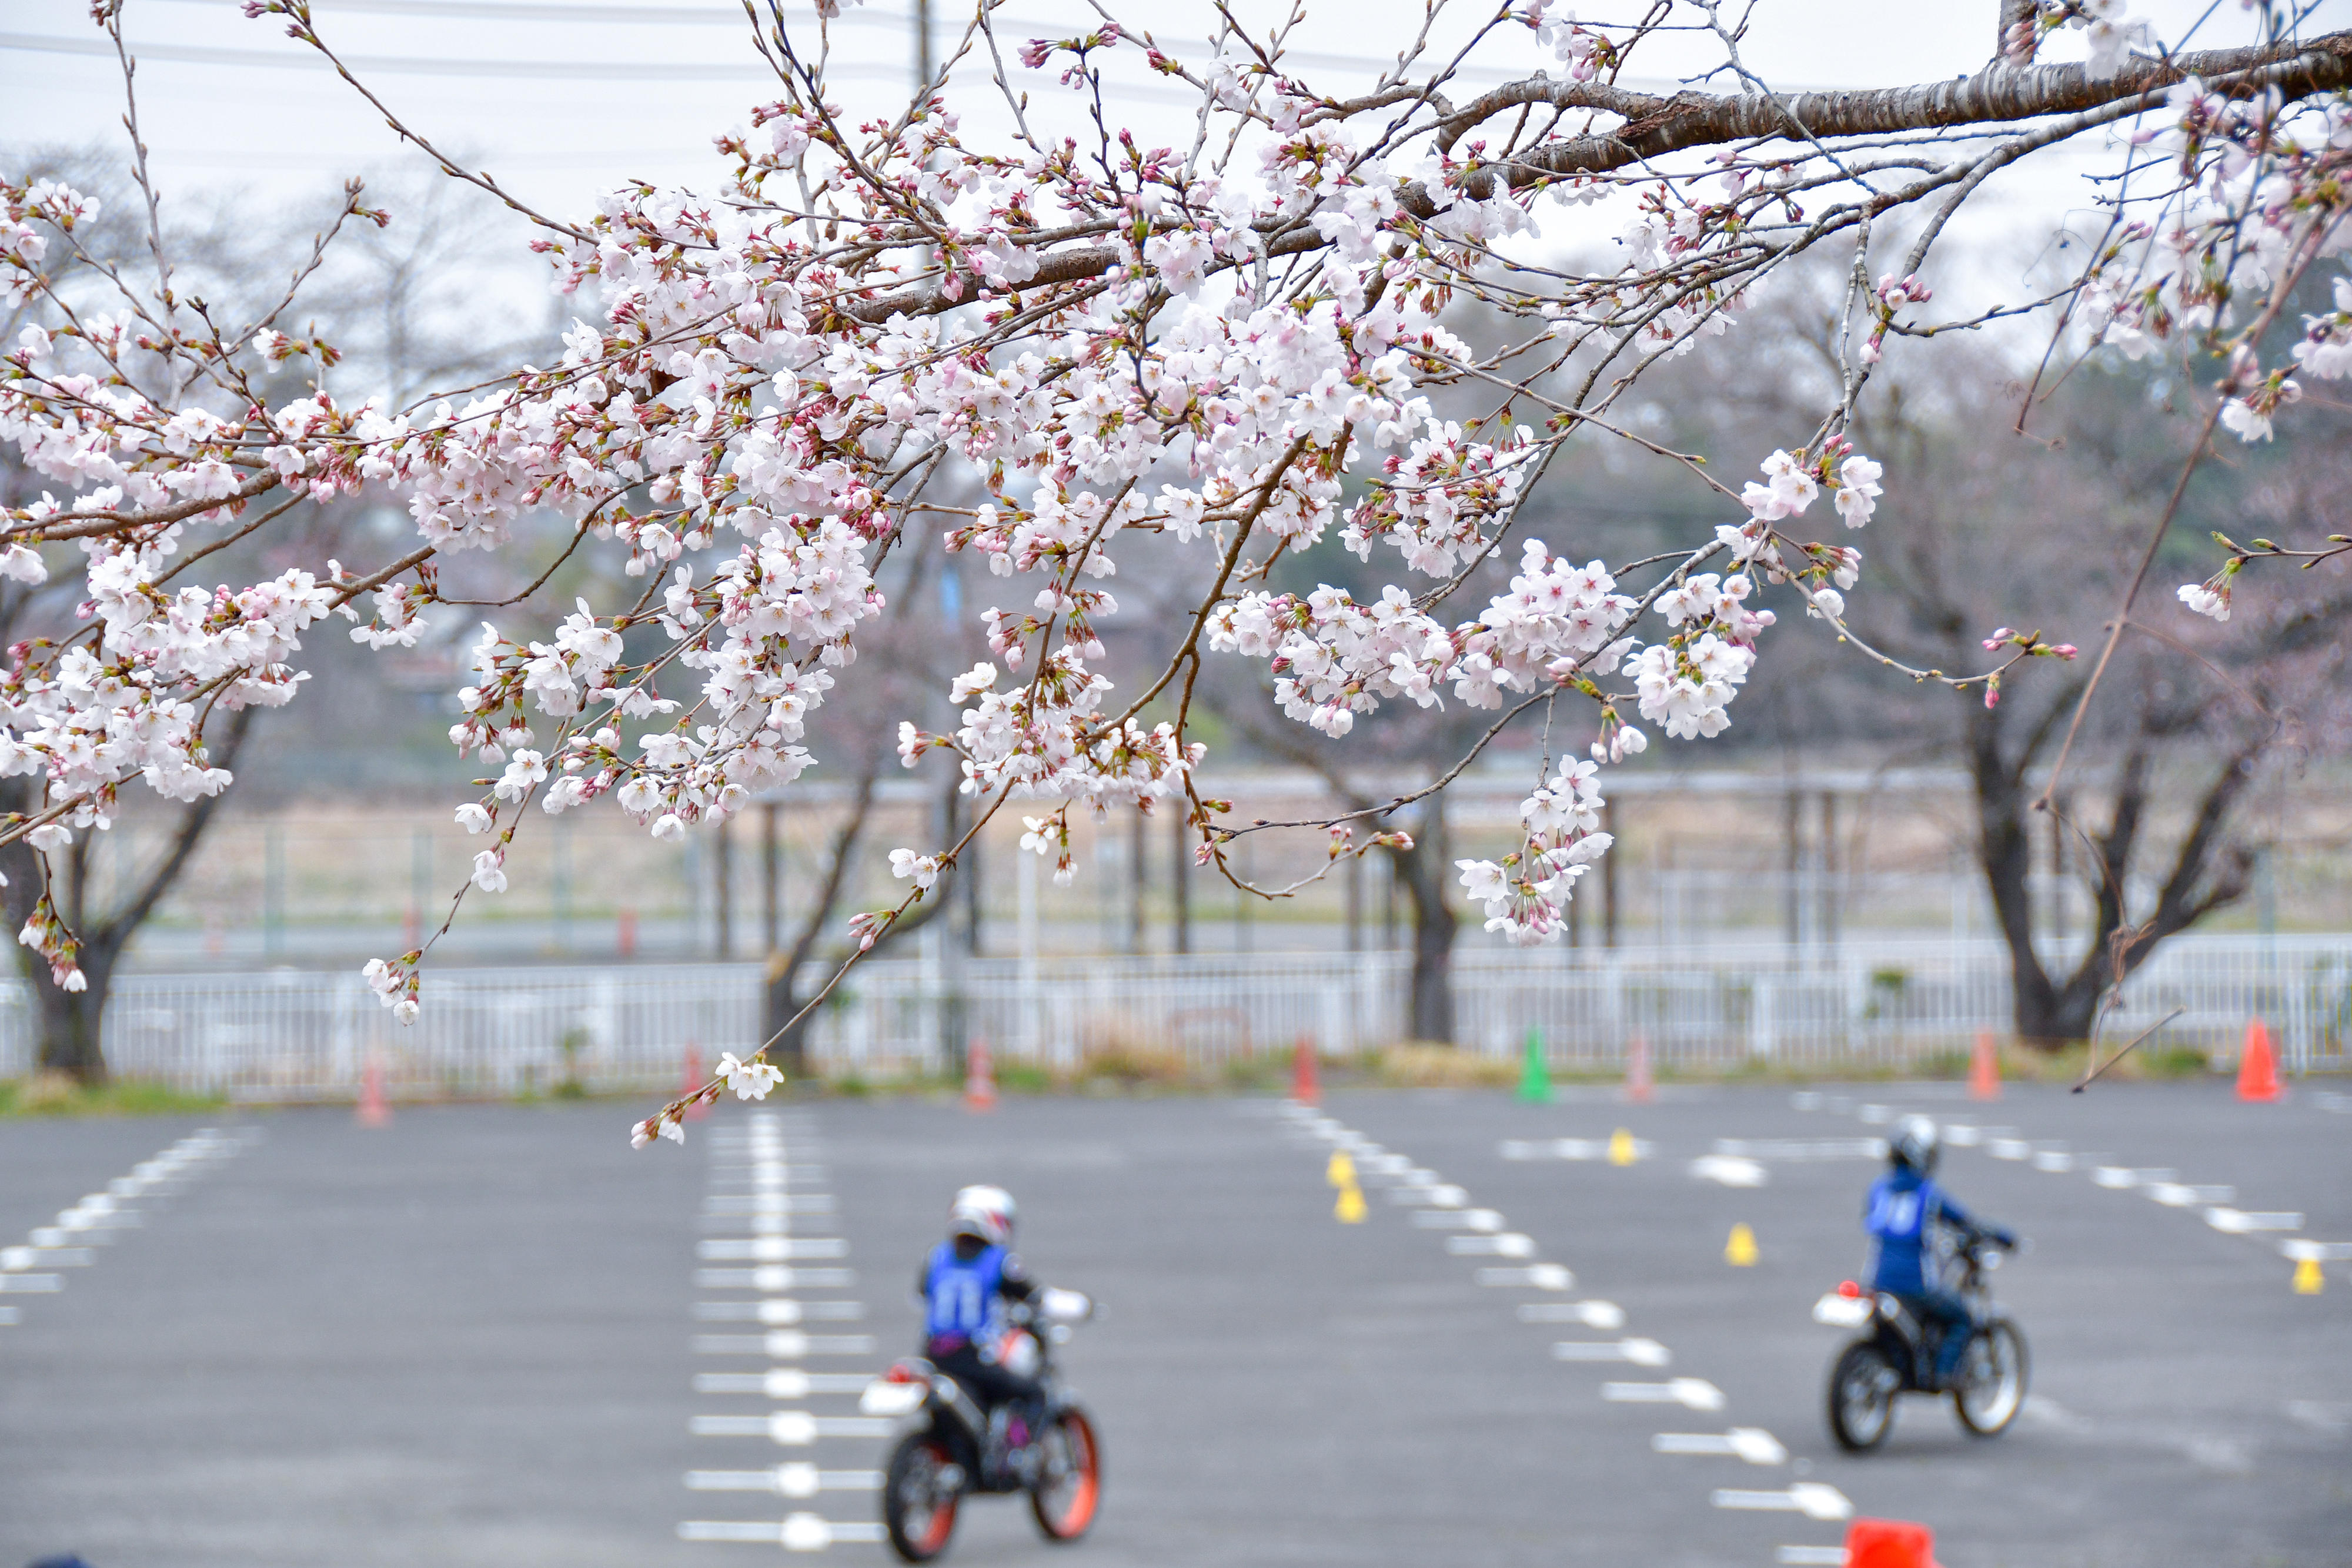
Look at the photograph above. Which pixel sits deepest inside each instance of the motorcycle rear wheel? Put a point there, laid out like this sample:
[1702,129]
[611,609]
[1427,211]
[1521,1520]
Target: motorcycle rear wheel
[1069,1493]
[1863,1390]
[920,1520]
[1991,1389]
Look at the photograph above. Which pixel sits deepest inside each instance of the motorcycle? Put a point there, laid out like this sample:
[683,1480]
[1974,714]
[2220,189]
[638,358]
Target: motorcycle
[950,1448]
[1897,1353]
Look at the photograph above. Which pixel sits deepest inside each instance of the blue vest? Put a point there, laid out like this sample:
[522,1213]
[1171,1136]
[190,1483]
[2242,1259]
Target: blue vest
[960,1297]
[1900,1207]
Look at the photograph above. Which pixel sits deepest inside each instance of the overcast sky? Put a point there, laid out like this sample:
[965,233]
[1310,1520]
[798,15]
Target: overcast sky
[564,98]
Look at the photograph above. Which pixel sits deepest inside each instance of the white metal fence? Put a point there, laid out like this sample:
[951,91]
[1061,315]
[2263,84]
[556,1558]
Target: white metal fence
[292,1035]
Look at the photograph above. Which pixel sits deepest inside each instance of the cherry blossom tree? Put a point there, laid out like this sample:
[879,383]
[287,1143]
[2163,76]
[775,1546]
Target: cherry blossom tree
[1237,343]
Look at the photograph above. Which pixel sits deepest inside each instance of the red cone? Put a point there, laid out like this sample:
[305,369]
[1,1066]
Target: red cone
[979,1082]
[374,1110]
[2257,1067]
[1984,1069]
[1637,1072]
[1303,1086]
[1888,1544]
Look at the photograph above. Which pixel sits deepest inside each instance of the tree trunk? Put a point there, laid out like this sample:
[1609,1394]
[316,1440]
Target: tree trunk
[70,1041]
[1422,871]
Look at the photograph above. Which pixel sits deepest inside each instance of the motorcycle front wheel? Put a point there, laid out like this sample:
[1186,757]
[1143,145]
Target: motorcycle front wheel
[1863,1389]
[1069,1483]
[919,1506]
[1991,1386]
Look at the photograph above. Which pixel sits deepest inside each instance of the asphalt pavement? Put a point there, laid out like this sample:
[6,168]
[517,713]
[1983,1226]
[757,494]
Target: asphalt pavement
[494,1335]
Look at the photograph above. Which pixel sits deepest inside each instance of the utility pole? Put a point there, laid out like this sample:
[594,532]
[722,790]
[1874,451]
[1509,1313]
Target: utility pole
[922,20]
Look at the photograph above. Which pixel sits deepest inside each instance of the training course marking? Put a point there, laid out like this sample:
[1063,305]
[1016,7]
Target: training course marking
[798,1532]
[1640,1352]
[1753,1444]
[770,1153]
[1690,1393]
[71,1240]
[1814,1500]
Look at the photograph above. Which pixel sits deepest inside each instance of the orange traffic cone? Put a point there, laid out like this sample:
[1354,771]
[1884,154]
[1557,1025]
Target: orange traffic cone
[2257,1068]
[1637,1072]
[1984,1068]
[979,1082]
[696,1107]
[1303,1087]
[374,1110]
[1889,1543]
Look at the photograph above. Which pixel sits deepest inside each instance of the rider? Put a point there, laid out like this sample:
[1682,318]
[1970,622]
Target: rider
[1903,1204]
[964,1282]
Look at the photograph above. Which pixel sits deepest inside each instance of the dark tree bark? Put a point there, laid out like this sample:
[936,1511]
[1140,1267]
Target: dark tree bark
[71,1021]
[2209,871]
[1422,872]
[783,998]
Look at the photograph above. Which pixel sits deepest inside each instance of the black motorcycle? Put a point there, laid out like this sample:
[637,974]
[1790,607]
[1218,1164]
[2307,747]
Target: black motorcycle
[951,1448]
[1897,1354]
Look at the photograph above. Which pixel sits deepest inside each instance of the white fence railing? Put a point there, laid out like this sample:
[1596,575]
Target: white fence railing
[292,1035]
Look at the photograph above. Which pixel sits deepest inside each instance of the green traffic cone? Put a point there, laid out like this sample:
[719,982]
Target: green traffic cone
[1534,1079]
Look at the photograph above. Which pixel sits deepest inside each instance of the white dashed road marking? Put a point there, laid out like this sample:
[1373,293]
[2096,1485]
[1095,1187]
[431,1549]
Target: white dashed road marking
[1814,1500]
[1730,1170]
[1690,1393]
[1640,1352]
[798,1532]
[1752,1444]
[781,1194]
[1567,1149]
[1591,1314]
[1535,1276]
[71,1240]
[1812,1556]
[798,1478]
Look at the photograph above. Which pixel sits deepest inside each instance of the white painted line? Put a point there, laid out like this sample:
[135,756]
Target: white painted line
[1509,1244]
[2316,1251]
[770,1249]
[1384,1164]
[2121,1178]
[2178,1195]
[768,1203]
[1813,1499]
[782,1383]
[46,1255]
[778,1311]
[1877,1116]
[1805,1100]
[1567,1149]
[1961,1135]
[1640,1352]
[1812,1556]
[798,1478]
[1730,1170]
[1535,1276]
[1440,1196]
[1485,1219]
[792,1428]
[798,1532]
[1752,1444]
[1591,1314]
[31,1284]
[2333,1419]
[775,1277]
[2236,1222]
[2009,1149]
[8,1317]
[2055,1161]
[783,1344]
[1690,1393]
[1803,1148]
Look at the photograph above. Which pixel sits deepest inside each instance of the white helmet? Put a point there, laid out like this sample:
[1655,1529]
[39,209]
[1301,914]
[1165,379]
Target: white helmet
[986,1212]
[1913,1144]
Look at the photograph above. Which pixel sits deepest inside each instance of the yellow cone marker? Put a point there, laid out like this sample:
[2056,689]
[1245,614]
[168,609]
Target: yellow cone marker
[1741,1250]
[1350,1207]
[2308,1279]
[1621,1147]
[1341,1171]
